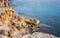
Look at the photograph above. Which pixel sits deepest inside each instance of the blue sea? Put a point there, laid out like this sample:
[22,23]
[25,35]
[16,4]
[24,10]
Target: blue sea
[47,11]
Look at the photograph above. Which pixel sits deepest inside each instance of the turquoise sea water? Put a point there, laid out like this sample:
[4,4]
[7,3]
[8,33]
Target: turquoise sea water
[47,11]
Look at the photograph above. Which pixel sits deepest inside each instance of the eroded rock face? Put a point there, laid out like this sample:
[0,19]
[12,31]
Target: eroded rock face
[14,26]
[17,24]
[4,3]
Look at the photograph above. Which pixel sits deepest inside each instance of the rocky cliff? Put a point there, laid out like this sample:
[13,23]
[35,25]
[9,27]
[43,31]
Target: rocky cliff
[17,24]
[13,25]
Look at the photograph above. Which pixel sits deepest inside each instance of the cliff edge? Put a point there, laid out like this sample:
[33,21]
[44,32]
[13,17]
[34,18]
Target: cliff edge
[13,25]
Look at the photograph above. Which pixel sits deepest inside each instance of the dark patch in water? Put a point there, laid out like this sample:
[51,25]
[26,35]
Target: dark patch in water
[49,29]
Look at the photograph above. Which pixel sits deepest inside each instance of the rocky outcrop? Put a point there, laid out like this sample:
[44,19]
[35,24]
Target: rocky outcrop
[17,24]
[13,25]
[5,34]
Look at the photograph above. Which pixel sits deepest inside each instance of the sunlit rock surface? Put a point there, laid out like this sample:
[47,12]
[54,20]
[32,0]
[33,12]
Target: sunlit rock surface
[13,25]
[17,24]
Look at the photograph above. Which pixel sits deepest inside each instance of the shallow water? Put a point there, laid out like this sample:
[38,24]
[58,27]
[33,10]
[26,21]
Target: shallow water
[47,11]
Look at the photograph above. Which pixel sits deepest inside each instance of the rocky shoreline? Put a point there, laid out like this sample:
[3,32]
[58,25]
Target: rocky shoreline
[17,24]
[13,25]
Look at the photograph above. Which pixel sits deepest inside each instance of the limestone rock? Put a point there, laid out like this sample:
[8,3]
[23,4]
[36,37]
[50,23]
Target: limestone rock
[17,24]
[13,25]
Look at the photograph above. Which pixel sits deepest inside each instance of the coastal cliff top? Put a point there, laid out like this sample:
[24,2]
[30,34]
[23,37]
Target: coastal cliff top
[13,25]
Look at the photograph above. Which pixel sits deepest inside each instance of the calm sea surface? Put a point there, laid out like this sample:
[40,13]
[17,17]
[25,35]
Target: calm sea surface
[47,11]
